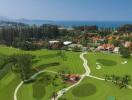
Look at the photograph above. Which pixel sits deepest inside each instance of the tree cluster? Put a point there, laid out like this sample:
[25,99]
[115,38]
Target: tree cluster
[125,52]
[8,35]
[120,81]
[22,63]
[86,28]
[125,28]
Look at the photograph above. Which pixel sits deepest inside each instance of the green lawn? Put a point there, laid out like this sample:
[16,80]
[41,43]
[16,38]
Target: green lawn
[111,64]
[51,60]
[8,85]
[45,59]
[88,89]
[92,89]
[8,80]
[41,90]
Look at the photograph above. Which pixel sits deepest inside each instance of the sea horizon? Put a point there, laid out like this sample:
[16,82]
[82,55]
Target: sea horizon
[113,24]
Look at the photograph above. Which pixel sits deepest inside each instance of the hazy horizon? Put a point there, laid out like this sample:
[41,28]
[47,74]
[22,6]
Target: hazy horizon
[68,10]
[66,20]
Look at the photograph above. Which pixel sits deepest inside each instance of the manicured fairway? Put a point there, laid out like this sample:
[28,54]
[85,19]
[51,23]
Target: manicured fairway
[40,90]
[69,61]
[88,89]
[99,90]
[9,80]
[8,85]
[110,63]
[50,59]
[45,59]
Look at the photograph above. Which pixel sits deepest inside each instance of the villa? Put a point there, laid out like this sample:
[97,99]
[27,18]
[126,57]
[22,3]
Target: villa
[106,47]
[72,78]
[55,44]
[127,44]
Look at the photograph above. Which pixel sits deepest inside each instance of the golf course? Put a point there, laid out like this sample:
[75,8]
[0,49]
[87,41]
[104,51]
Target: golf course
[49,63]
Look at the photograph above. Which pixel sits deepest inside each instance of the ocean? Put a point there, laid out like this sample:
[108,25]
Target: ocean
[113,24]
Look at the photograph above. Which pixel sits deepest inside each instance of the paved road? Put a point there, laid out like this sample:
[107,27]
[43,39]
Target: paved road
[85,64]
[61,92]
[87,73]
[16,90]
[32,77]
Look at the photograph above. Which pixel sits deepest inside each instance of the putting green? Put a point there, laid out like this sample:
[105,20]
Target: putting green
[88,89]
[84,90]
[103,91]
[106,62]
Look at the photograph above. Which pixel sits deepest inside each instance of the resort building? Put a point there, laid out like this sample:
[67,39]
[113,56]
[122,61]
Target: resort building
[116,50]
[73,78]
[127,44]
[67,43]
[106,47]
[53,42]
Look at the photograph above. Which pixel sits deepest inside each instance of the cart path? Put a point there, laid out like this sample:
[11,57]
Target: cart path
[16,90]
[32,77]
[87,73]
[61,92]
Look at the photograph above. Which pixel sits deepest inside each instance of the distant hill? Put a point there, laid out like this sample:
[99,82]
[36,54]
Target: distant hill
[4,18]
[4,21]
[37,22]
[26,21]
[107,24]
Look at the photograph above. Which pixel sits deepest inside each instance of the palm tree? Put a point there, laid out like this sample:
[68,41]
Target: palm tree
[126,80]
[22,63]
[113,77]
[106,77]
[54,95]
[117,78]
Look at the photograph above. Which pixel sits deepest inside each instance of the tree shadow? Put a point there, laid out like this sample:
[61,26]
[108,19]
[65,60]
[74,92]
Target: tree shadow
[48,56]
[35,61]
[38,90]
[3,61]
[44,66]
[5,70]
[84,90]
[58,54]
[40,83]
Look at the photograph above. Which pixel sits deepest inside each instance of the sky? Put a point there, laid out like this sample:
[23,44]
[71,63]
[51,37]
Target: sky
[82,10]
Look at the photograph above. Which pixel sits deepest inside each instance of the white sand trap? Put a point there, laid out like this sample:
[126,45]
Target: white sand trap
[97,63]
[124,62]
[98,67]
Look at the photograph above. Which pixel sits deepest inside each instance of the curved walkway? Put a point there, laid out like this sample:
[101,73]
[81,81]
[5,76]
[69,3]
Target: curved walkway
[61,92]
[98,78]
[16,90]
[32,77]
[85,64]
[87,73]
